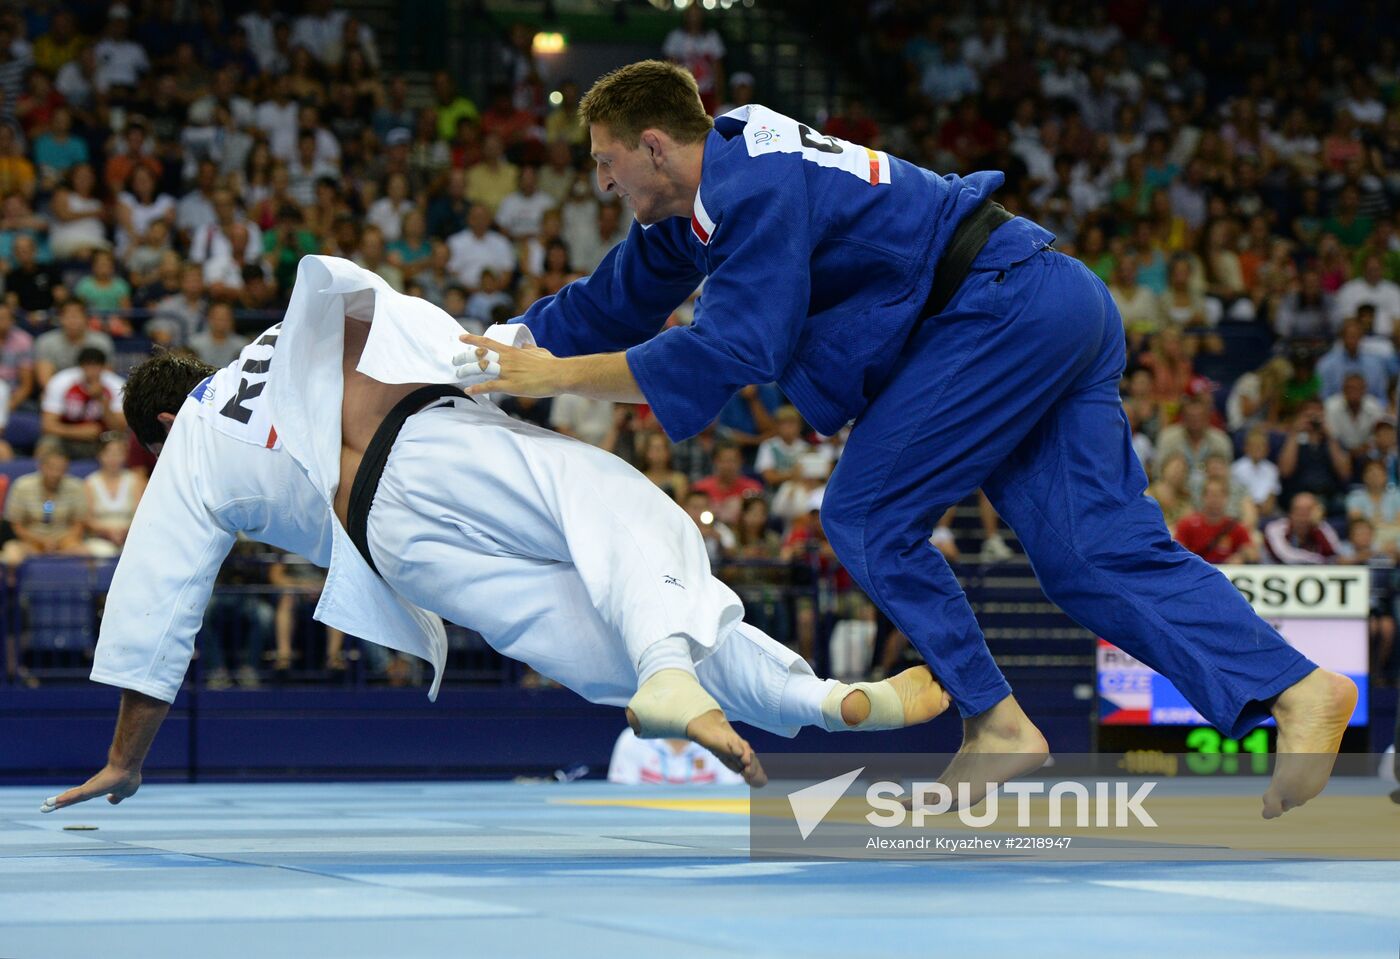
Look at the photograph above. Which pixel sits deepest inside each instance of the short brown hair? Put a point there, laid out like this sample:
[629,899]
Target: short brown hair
[649,94]
[159,385]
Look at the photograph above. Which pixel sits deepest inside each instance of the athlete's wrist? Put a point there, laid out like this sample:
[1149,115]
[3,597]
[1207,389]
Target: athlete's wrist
[570,373]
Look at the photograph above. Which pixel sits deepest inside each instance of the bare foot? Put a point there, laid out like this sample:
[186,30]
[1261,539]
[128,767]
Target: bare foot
[1312,715]
[712,730]
[998,745]
[922,696]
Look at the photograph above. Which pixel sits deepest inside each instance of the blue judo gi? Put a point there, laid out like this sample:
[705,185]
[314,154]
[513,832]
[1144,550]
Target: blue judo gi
[818,256]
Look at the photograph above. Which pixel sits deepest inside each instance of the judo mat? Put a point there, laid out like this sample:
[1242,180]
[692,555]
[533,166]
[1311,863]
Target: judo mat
[591,869]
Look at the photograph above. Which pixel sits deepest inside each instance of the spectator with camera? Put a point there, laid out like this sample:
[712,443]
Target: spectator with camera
[1312,460]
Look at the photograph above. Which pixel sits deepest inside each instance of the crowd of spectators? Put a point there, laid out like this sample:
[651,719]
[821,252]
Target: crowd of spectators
[1233,178]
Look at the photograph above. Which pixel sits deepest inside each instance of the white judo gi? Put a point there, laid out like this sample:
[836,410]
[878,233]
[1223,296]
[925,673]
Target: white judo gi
[561,555]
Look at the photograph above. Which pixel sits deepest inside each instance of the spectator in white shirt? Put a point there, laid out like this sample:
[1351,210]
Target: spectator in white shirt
[388,211]
[120,61]
[520,212]
[1370,287]
[322,31]
[588,251]
[277,117]
[77,79]
[478,248]
[1063,81]
[140,206]
[1257,473]
[582,417]
[195,210]
[223,271]
[327,146]
[319,30]
[213,239]
[987,47]
[306,168]
[1353,413]
[778,456]
[259,26]
[669,762]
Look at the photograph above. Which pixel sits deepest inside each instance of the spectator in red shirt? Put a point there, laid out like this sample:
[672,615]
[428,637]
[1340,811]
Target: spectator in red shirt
[83,402]
[727,487]
[1212,534]
[855,125]
[503,119]
[967,134]
[1301,537]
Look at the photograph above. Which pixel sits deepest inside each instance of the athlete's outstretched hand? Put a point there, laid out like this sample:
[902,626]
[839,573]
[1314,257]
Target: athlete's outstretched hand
[116,784]
[520,370]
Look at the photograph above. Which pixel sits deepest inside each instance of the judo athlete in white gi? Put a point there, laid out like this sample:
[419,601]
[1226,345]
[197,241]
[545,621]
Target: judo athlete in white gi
[561,555]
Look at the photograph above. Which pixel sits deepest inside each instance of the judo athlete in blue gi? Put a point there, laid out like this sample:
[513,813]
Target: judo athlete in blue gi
[968,353]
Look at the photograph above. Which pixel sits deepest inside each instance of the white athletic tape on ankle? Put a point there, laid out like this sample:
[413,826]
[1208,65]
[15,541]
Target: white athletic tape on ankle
[667,702]
[886,710]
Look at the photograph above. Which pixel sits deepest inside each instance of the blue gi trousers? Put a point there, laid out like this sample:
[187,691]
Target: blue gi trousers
[1014,389]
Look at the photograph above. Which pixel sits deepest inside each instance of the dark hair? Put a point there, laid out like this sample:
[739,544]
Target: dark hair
[159,385]
[91,354]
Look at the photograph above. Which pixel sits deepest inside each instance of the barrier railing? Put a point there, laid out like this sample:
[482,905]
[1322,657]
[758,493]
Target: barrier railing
[260,633]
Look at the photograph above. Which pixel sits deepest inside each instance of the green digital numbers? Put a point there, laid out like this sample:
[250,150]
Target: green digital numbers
[1211,754]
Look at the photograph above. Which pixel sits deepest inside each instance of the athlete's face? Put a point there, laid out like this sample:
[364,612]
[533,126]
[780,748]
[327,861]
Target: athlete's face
[634,174]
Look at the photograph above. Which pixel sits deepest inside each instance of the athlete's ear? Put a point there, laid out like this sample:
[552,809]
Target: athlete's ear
[654,145]
[167,420]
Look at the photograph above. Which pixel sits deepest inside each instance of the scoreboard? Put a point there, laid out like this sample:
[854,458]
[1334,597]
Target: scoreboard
[1320,610]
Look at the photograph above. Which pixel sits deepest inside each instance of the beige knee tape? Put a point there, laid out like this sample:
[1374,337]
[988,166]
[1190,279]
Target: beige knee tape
[666,703]
[886,710]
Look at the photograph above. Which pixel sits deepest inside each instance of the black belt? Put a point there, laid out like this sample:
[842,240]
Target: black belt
[968,240]
[377,455]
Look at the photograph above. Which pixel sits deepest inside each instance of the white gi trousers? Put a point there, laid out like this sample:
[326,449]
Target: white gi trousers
[563,557]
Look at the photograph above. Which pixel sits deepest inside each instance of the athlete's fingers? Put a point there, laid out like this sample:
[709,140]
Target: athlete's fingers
[70,798]
[492,386]
[475,363]
[485,342]
[114,783]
